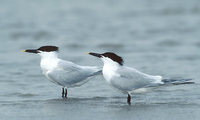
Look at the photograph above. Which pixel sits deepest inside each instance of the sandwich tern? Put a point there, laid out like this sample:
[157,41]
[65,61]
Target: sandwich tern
[61,72]
[127,79]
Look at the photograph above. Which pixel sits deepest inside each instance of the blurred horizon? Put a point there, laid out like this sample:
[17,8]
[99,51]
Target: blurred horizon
[156,37]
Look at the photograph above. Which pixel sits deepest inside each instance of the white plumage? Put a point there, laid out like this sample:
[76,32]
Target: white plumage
[61,72]
[65,73]
[129,80]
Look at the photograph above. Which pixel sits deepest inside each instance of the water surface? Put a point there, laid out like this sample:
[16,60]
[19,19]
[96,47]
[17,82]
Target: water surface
[153,36]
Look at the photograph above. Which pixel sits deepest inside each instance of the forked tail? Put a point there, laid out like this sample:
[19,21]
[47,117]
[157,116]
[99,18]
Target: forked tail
[177,81]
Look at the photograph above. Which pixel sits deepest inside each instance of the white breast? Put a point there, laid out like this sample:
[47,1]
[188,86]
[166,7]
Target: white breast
[48,65]
[49,61]
[109,70]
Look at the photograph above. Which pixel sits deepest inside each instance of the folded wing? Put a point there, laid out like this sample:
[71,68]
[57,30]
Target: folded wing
[69,74]
[130,79]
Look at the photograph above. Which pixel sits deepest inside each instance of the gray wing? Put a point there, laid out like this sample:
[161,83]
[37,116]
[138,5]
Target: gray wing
[69,74]
[131,79]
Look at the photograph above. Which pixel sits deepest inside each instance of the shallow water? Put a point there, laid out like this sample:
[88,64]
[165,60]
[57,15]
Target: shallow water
[153,36]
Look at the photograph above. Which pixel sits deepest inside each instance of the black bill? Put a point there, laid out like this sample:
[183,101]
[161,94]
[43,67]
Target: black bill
[95,54]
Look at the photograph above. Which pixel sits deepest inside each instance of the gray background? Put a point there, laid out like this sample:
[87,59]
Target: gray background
[158,37]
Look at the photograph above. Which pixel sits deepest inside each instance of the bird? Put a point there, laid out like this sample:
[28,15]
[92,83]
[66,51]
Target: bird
[63,73]
[128,79]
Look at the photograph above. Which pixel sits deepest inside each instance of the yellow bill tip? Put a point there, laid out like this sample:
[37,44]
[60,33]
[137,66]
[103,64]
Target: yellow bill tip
[23,50]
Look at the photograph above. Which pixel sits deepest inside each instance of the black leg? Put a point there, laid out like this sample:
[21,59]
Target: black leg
[129,99]
[65,93]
